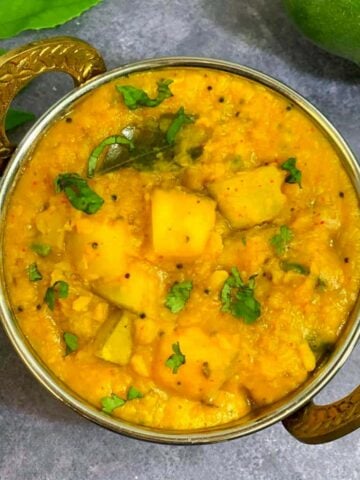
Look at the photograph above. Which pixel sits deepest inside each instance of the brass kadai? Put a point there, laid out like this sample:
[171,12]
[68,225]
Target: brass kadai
[305,421]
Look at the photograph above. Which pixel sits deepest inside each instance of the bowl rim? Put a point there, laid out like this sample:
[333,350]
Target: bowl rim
[54,385]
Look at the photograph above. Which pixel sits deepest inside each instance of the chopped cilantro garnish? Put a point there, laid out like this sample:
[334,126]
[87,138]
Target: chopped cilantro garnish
[110,403]
[281,240]
[181,118]
[178,295]
[71,342]
[176,359]
[238,298]
[34,273]
[114,401]
[135,97]
[78,192]
[41,249]
[294,267]
[60,289]
[294,173]
[134,393]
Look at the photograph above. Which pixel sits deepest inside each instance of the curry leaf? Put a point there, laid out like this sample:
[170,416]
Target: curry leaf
[181,118]
[19,15]
[178,295]
[15,118]
[78,192]
[135,97]
[95,154]
[294,267]
[176,359]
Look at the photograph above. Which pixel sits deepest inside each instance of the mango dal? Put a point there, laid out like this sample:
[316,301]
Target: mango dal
[183,247]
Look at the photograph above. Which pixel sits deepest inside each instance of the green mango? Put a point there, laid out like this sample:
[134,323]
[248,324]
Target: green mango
[332,24]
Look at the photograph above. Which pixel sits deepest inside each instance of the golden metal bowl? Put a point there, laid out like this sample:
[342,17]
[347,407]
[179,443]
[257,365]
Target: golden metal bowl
[308,423]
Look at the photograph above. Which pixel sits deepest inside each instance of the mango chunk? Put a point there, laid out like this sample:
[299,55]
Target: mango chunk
[99,249]
[181,223]
[139,289]
[250,197]
[208,361]
[114,340]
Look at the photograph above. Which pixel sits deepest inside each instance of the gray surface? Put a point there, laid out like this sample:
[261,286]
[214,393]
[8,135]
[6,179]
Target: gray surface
[42,439]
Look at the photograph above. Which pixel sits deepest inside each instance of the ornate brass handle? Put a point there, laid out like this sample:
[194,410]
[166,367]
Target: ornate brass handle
[320,424]
[18,67]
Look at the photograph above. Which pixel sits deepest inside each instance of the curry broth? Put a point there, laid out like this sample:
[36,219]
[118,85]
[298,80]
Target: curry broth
[177,222]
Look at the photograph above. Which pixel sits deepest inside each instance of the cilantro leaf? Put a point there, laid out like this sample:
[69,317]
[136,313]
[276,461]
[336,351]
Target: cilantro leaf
[134,393]
[15,118]
[78,192]
[294,267]
[95,154]
[110,403]
[181,118]
[176,359]
[238,298]
[41,249]
[71,342]
[281,240]
[294,173]
[178,295]
[60,289]
[135,97]
[245,305]
[34,273]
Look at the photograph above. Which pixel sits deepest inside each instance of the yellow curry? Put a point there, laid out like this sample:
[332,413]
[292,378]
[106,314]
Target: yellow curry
[183,247]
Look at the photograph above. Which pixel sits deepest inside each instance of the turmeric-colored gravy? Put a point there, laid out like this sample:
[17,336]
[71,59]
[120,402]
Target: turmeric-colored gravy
[183,247]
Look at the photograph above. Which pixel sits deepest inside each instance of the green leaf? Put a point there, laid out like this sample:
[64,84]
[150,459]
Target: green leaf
[294,267]
[135,97]
[238,299]
[176,359]
[178,295]
[134,393]
[294,173]
[71,342]
[95,154]
[19,15]
[60,289]
[181,118]
[78,192]
[110,403]
[246,306]
[15,118]
[34,273]
[281,240]
[41,249]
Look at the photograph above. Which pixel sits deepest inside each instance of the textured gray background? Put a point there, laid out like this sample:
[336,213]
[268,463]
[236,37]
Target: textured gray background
[42,439]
